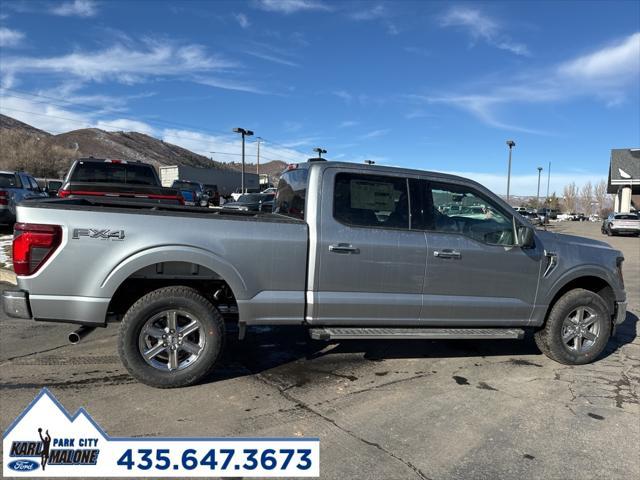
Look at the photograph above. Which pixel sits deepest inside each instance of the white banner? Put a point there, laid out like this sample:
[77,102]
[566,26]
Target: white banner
[45,441]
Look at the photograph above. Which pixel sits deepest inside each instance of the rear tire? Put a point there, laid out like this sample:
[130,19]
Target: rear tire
[171,337]
[577,328]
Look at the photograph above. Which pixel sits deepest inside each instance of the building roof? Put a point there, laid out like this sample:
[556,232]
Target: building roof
[624,169]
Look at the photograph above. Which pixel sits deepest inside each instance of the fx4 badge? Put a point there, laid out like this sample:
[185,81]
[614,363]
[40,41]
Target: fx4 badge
[102,234]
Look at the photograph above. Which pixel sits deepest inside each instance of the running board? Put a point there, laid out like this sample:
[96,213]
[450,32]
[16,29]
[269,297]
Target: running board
[418,333]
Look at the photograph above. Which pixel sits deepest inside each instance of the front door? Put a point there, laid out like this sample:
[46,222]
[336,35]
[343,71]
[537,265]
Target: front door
[370,266]
[475,274]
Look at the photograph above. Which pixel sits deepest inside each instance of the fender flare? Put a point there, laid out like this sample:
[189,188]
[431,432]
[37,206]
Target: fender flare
[577,272]
[174,253]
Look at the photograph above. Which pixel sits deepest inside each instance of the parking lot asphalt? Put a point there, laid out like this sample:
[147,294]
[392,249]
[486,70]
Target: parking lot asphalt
[382,409]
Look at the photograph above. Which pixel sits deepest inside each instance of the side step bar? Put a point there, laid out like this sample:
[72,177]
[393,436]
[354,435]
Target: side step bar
[418,333]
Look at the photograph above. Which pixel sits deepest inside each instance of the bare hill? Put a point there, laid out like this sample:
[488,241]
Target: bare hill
[27,148]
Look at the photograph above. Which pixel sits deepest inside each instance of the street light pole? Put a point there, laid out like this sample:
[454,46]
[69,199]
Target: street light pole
[258,139]
[510,144]
[244,133]
[538,194]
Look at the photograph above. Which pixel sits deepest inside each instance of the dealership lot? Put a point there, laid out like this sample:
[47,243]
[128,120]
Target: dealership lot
[422,409]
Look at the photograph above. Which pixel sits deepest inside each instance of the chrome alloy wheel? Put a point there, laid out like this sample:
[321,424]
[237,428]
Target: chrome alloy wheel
[580,329]
[171,340]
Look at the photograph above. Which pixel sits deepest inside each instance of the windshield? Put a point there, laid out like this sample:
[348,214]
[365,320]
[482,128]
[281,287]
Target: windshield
[106,172]
[251,198]
[7,180]
[185,185]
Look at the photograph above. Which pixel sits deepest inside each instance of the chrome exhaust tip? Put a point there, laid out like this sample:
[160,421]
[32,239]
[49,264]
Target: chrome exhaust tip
[80,333]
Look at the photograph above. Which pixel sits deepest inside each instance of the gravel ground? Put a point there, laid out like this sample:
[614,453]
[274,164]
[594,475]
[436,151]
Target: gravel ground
[383,410]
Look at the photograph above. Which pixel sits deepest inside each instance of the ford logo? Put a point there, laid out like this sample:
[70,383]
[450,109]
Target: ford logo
[23,465]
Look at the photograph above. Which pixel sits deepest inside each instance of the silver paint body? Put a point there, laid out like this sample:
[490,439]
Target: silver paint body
[282,271]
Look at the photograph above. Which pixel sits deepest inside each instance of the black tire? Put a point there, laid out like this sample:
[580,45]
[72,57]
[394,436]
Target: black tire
[609,232]
[549,338]
[185,299]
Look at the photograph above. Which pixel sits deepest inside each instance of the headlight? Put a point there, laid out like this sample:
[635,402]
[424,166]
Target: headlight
[243,209]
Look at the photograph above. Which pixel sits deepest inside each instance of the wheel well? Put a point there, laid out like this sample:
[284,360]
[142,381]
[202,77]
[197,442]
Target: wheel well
[594,284]
[209,283]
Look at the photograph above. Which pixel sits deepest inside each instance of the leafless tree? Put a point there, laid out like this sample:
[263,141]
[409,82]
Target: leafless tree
[570,197]
[602,198]
[32,154]
[586,198]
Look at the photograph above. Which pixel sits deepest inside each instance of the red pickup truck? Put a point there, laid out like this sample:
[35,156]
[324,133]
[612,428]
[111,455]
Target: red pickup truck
[91,177]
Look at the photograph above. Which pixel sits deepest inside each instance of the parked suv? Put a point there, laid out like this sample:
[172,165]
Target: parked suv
[15,187]
[194,193]
[621,223]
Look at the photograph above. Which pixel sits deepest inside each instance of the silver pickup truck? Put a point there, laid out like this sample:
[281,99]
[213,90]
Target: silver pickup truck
[350,251]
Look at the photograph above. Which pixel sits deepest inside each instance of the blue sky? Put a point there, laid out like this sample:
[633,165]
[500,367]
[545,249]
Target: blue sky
[428,85]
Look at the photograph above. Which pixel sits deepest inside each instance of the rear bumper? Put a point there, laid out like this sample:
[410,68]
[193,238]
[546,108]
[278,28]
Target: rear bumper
[621,312]
[15,303]
[89,311]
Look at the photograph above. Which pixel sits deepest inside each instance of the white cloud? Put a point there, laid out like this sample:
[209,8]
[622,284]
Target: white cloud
[121,63]
[228,84]
[374,134]
[615,64]
[292,6]
[125,125]
[344,95]
[10,38]
[607,74]
[228,148]
[242,20]
[272,58]
[378,11]
[481,26]
[348,123]
[77,8]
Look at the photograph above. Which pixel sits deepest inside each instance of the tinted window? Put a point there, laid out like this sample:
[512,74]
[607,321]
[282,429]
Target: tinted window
[458,209]
[34,184]
[8,180]
[292,191]
[184,185]
[106,172]
[626,216]
[371,200]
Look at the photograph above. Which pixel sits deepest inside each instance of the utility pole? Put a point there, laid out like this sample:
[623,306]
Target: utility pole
[548,182]
[258,139]
[510,144]
[538,194]
[244,133]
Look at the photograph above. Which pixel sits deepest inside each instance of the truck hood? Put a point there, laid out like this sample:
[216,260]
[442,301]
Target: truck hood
[572,240]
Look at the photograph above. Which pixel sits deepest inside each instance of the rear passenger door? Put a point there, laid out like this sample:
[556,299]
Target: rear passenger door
[370,265]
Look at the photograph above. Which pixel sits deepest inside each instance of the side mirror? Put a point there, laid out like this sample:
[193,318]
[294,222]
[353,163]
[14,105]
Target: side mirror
[526,237]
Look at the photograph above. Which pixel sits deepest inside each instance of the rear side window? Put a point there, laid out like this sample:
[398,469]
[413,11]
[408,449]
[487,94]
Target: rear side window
[106,172]
[292,192]
[371,201]
[8,180]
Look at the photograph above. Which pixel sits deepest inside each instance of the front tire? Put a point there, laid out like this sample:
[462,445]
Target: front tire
[577,328]
[171,337]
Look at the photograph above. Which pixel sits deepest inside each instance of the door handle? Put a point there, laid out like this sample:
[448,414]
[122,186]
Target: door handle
[343,248]
[447,253]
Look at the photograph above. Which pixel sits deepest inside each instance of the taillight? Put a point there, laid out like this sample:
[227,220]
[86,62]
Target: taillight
[64,193]
[4,200]
[33,244]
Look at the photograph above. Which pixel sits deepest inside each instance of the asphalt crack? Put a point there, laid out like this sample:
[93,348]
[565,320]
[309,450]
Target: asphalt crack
[285,394]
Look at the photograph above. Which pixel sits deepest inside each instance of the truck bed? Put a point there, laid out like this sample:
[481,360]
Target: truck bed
[261,256]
